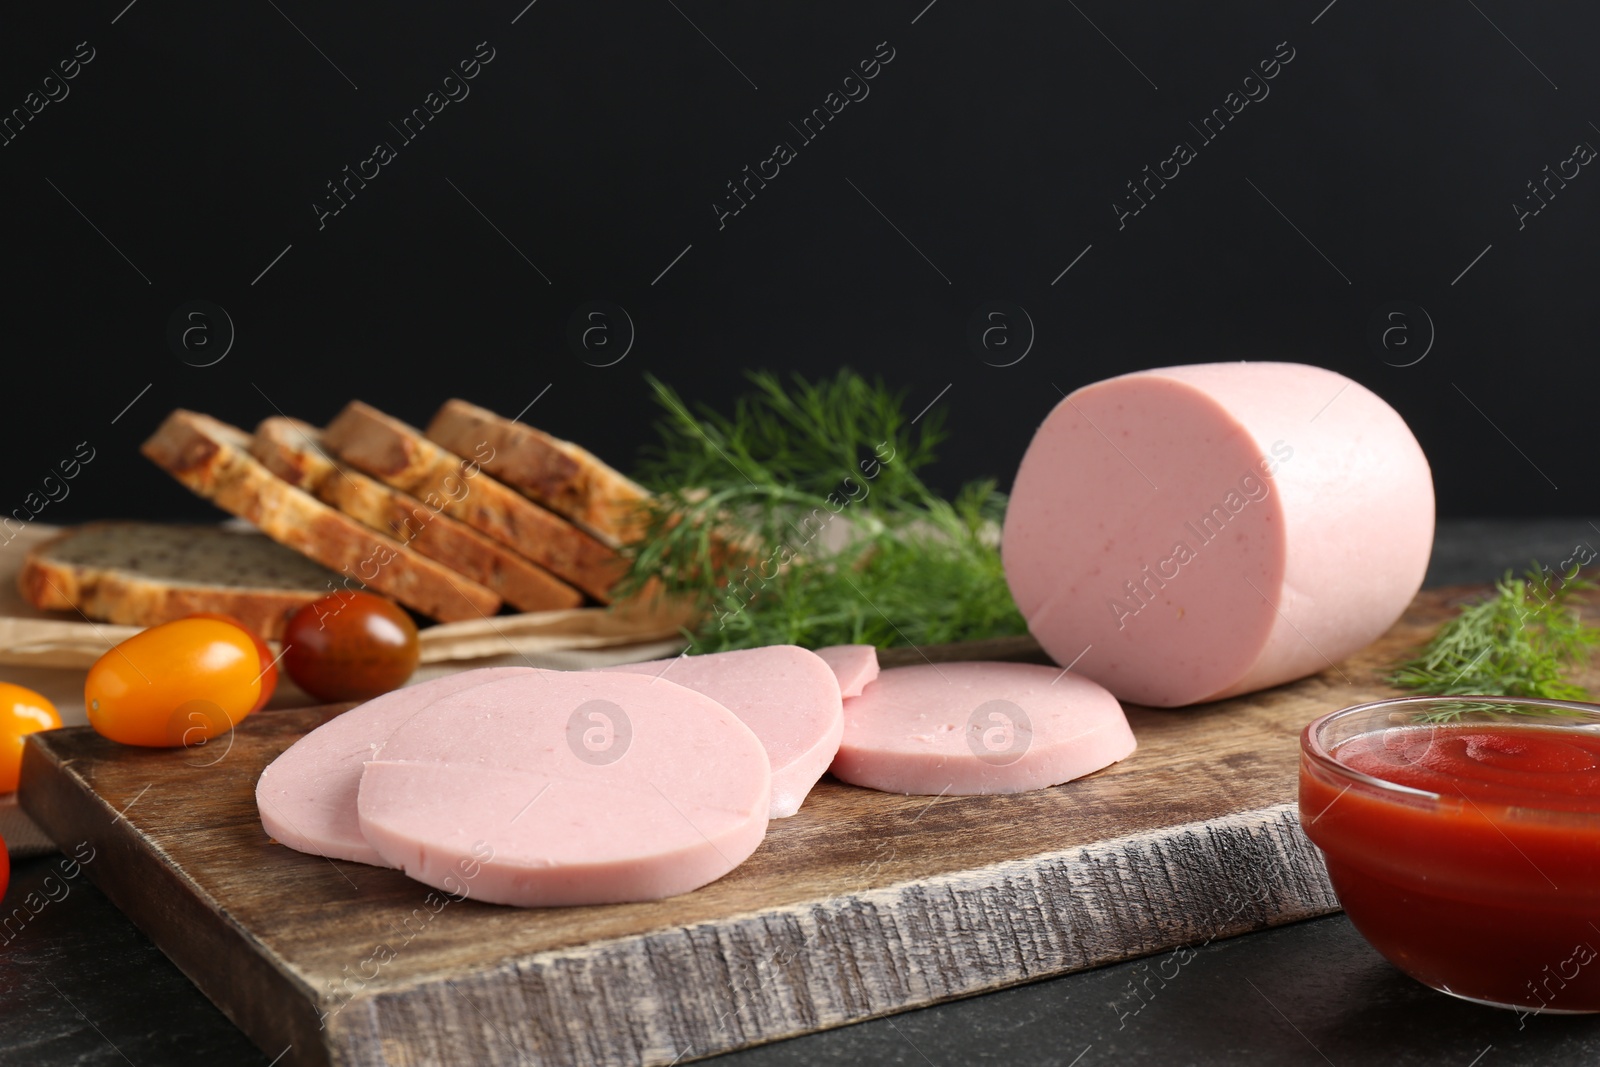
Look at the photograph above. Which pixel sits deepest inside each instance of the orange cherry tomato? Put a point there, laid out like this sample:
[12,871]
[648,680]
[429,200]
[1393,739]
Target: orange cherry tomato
[22,712]
[180,683]
[269,665]
[350,646]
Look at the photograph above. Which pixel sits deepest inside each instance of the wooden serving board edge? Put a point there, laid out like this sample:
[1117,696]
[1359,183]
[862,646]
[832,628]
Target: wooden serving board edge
[172,910]
[902,946]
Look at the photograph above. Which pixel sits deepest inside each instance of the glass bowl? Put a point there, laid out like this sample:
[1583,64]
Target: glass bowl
[1462,836]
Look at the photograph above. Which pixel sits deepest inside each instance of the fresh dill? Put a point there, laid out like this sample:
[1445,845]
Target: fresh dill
[800,517]
[1520,641]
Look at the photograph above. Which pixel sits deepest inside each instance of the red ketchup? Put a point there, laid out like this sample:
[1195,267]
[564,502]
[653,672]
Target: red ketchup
[1481,876]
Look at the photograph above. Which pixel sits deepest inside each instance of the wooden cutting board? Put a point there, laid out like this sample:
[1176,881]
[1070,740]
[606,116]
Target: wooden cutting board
[861,905]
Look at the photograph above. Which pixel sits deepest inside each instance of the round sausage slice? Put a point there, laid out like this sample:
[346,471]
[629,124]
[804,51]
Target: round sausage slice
[307,796]
[967,728]
[787,695]
[567,788]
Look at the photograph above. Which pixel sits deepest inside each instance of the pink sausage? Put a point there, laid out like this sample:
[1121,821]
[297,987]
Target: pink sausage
[966,728]
[788,696]
[307,796]
[1192,533]
[855,665]
[567,788]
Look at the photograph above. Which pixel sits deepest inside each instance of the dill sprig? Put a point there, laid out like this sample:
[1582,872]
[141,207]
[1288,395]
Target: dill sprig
[1450,711]
[1518,642]
[800,517]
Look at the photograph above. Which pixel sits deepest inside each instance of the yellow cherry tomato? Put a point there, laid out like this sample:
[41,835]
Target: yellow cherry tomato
[180,683]
[22,712]
[269,669]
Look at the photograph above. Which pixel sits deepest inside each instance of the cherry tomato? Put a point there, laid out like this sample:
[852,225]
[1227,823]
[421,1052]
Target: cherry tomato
[269,666]
[22,712]
[350,646]
[180,683]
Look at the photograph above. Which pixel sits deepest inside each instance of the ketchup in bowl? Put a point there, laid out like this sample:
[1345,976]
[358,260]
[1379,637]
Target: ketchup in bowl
[1463,838]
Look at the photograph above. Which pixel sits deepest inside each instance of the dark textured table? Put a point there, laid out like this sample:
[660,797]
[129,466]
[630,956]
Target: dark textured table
[80,985]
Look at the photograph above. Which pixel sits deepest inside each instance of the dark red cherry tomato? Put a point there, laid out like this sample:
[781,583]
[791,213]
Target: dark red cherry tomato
[350,646]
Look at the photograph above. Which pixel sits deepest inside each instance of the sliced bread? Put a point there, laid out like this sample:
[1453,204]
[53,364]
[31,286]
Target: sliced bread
[562,476]
[401,456]
[293,451]
[213,459]
[145,574]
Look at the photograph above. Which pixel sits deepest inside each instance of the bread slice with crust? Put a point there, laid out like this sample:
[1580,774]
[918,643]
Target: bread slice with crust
[400,455]
[562,476]
[146,573]
[293,451]
[213,459]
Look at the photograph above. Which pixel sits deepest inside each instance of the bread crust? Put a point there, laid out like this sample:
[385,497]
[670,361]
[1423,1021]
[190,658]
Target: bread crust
[213,459]
[293,451]
[127,598]
[562,476]
[401,456]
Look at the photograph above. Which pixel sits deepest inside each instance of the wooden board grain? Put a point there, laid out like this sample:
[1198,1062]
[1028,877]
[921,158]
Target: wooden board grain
[861,905]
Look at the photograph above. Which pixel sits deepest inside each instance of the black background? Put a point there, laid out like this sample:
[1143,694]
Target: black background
[597,140]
